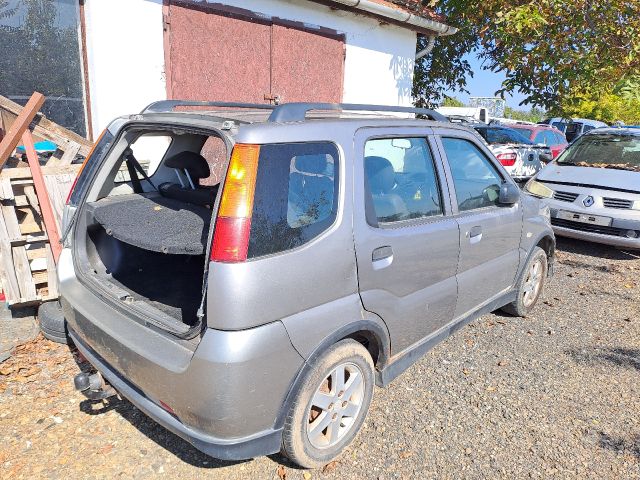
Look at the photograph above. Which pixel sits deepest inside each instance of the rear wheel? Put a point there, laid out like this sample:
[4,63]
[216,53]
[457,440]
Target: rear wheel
[331,405]
[530,285]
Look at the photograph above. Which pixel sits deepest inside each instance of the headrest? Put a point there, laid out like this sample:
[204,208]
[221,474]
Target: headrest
[380,174]
[316,164]
[195,164]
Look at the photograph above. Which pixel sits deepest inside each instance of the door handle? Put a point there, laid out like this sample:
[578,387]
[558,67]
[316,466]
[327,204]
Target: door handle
[475,234]
[382,257]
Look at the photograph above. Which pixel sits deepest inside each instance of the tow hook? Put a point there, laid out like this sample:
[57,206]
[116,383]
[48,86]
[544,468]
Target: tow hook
[93,386]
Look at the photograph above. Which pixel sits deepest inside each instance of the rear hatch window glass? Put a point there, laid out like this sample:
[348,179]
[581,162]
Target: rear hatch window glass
[500,136]
[296,196]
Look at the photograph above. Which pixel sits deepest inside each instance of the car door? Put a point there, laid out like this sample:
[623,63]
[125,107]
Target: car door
[489,232]
[407,242]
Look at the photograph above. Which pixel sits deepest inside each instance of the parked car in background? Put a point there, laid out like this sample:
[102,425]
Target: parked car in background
[593,188]
[557,123]
[574,127]
[255,315]
[519,155]
[543,135]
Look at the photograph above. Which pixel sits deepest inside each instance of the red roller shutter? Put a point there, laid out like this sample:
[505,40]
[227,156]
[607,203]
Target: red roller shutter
[227,55]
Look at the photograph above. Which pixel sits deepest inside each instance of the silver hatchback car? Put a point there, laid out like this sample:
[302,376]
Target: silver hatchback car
[245,276]
[593,188]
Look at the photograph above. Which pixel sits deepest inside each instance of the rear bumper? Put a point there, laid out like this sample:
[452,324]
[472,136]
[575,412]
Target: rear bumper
[226,391]
[262,443]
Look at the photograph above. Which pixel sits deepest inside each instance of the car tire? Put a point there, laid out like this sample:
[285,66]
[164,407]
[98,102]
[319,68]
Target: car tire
[52,322]
[530,285]
[327,413]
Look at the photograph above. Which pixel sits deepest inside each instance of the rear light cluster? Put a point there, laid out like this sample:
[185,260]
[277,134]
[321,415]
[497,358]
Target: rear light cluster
[507,159]
[233,223]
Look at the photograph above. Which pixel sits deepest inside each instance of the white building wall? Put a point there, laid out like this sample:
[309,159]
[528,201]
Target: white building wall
[126,54]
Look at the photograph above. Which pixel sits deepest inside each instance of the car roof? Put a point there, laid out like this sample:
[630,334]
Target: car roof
[238,118]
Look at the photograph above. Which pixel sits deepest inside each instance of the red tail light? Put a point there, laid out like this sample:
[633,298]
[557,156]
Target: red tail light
[507,159]
[233,223]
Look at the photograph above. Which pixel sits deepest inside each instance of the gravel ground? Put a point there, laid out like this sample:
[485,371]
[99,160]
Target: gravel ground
[555,395]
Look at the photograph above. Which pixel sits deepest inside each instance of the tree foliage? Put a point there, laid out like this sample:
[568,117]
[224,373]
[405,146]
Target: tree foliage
[534,115]
[606,107]
[452,102]
[549,50]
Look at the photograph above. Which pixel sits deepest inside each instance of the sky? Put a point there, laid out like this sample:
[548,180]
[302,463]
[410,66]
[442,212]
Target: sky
[485,83]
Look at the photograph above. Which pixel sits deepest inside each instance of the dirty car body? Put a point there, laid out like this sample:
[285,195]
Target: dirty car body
[381,256]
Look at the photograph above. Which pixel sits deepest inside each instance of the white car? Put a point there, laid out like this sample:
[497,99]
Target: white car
[593,188]
[519,155]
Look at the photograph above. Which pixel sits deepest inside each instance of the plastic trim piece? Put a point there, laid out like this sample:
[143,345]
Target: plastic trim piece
[294,111]
[297,111]
[165,106]
[413,354]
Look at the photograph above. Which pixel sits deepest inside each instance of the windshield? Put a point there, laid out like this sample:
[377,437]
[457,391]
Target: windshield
[503,135]
[604,151]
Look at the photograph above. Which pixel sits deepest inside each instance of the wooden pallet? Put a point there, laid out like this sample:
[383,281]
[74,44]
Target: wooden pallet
[27,267]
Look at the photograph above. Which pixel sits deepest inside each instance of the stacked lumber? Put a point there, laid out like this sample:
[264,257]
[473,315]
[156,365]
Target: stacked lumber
[28,269]
[69,143]
[32,201]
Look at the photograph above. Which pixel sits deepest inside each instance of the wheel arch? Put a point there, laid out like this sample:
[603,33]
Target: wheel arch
[366,332]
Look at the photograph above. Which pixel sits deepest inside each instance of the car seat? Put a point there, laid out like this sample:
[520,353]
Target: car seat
[387,204]
[193,167]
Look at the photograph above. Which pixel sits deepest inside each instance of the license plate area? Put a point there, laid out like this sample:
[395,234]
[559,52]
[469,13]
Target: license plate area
[584,218]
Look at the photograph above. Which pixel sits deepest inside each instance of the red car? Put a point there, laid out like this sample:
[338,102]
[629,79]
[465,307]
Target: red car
[544,134]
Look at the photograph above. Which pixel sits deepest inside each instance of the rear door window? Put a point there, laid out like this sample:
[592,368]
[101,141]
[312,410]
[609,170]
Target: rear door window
[401,178]
[296,196]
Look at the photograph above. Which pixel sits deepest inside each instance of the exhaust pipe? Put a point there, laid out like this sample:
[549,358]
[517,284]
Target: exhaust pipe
[93,386]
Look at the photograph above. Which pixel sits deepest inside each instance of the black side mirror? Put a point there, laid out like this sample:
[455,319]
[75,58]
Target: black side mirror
[546,158]
[509,194]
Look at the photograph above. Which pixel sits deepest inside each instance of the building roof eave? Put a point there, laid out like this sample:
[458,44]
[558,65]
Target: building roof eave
[394,14]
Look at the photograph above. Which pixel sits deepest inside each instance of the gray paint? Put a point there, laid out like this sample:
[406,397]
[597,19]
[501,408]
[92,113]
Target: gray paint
[267,316]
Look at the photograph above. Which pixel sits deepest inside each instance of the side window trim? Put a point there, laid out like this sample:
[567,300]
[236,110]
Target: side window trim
[446,133]
[440,178]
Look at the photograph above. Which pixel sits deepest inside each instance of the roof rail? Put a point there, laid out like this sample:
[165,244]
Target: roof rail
[164,106]
[297,111]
